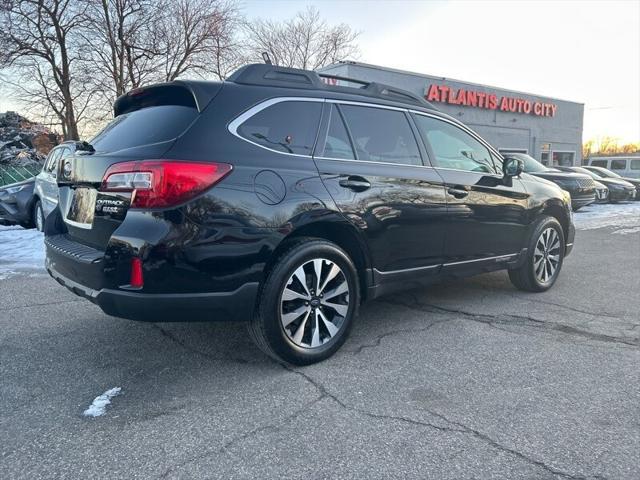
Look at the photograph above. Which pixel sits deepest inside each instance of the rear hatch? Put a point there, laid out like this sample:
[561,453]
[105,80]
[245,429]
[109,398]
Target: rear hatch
[147,123]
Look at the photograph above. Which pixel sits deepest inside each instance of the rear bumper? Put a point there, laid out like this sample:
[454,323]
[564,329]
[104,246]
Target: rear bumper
[237,305]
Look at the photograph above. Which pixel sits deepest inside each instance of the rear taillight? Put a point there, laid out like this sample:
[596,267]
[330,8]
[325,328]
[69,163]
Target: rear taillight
[162,183]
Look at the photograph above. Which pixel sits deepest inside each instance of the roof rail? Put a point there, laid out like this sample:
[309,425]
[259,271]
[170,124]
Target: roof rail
[274,76]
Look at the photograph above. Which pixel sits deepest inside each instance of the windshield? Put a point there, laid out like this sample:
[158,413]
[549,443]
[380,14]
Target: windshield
[587,172]
[604,173]
[530,163]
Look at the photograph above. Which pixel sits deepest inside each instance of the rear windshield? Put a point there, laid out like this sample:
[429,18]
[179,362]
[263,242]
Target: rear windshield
[144,127]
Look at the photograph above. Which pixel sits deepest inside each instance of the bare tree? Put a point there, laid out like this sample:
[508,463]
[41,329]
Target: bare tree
[119,41]
[197,37]
[306,41]
[38,47]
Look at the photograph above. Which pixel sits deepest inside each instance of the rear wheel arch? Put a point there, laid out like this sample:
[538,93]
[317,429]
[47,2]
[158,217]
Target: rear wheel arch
[343,235]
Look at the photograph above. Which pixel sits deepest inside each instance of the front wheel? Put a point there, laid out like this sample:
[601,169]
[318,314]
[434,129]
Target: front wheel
[545,254]
[307,304]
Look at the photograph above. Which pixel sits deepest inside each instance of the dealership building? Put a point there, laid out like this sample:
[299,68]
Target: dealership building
[548,129]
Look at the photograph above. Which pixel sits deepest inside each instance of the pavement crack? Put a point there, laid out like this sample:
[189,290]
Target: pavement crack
[272,427]
[455,427]
[518,320]
[376,341]
[494,443]
[200,353]
[18,307]
[577,310]
[324,393]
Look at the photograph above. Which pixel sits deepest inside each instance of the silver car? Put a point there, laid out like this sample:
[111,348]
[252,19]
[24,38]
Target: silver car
[46,187]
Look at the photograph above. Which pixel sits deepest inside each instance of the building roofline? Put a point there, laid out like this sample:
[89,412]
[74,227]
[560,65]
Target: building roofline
[435,77]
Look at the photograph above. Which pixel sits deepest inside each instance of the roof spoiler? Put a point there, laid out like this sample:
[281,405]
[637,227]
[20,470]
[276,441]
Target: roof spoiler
[189,93]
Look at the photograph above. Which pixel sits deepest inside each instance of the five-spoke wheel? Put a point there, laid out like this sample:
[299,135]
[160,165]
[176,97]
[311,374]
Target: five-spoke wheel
[546,256]
[538,270]
[307,303]
[314,303]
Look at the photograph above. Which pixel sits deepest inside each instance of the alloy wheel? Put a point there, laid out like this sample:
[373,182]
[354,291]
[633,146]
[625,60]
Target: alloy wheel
[314,303]
[546,257]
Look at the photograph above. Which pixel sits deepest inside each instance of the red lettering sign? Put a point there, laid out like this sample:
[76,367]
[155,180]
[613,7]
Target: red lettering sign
[489,101]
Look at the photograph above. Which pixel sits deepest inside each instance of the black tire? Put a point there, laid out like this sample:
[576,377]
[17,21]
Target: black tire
[267,329]
[525,277]
[38,216]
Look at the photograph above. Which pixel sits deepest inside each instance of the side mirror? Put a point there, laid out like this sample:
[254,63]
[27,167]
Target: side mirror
[512,167]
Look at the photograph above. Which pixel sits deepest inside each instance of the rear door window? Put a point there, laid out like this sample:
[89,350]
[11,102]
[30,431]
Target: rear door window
[381,135]
[619,164]
[287,127]
[635,164]
[338,144]
[147,126]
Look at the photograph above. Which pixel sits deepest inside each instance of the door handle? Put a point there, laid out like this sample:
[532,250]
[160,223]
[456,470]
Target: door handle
[355,183]
[458,191]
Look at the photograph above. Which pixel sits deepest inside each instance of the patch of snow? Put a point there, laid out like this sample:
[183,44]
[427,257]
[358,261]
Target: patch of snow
[21,251]
[624,217]
[99,405]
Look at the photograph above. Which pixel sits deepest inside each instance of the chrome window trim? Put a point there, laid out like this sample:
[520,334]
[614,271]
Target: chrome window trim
[239,120]
[235,123]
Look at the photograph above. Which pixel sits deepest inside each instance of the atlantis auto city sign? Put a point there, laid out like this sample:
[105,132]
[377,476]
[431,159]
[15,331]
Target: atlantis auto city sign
[489,101]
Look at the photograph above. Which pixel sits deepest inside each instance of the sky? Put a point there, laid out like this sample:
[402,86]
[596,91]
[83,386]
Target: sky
[584,51]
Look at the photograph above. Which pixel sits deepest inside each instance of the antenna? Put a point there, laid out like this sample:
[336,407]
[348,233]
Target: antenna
[266,58]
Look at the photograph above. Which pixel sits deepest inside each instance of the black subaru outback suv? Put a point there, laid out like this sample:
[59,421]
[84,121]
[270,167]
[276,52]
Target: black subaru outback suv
[283,201]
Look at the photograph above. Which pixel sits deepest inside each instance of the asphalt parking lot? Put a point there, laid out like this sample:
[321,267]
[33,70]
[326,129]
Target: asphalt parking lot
[468,379]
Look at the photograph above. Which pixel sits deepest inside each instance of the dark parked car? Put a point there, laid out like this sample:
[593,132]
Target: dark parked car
[283,201]
[619,190]
[17,204]
[604,173]
[580,186]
